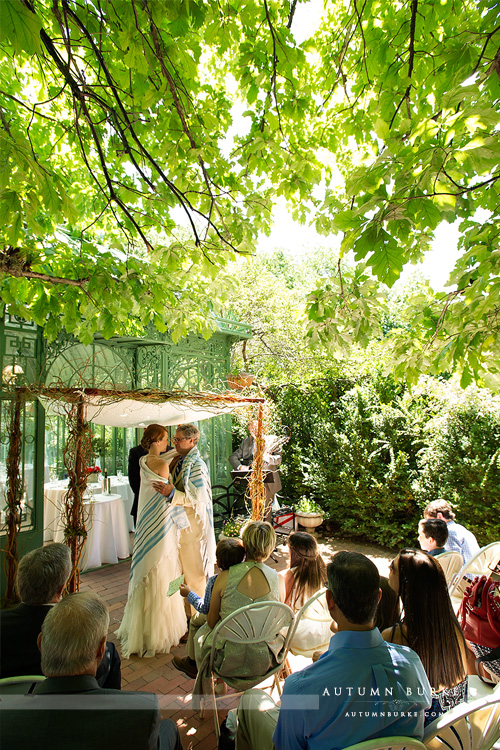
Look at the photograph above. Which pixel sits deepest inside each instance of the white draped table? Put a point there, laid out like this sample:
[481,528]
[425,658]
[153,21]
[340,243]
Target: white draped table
[107,528]
[107,532]
[121,486]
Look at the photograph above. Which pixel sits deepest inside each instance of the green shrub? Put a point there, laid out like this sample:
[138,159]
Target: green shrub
[461,462]
[372,454]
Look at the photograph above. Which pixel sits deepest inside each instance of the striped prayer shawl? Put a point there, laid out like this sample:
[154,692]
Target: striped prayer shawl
[195,482]
[158,527]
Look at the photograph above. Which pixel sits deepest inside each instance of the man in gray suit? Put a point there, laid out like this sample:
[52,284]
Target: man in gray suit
[243,456]
[69,709]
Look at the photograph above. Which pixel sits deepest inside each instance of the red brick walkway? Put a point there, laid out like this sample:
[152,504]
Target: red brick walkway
[157,674]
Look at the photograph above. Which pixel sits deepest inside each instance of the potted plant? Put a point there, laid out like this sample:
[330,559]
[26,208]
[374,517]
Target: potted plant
[309,514]
[238,381]
[92,474]
[232,527]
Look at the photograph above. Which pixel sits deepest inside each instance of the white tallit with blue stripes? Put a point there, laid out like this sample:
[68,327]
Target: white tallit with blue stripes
[194,482]
[158,527]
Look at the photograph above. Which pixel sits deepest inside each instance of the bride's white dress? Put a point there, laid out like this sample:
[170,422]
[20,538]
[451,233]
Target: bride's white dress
[152,621]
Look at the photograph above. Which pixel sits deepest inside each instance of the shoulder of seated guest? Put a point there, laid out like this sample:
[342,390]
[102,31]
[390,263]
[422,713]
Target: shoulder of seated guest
[221,582]
[395,634]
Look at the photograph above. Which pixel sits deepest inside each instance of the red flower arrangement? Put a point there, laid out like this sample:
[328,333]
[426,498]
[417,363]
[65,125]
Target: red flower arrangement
[93,470]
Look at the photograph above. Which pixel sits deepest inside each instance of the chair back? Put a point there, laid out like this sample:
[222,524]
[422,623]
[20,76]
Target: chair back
[478,565]
[389,743]
[469,726]
[256,622]
[19,685]
[451,562]
[301,613]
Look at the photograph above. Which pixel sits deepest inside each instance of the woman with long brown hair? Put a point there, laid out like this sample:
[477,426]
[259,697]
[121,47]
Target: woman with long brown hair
[429,626]
[305,576]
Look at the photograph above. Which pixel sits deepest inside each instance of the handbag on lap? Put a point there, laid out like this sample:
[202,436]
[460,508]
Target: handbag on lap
[479,612]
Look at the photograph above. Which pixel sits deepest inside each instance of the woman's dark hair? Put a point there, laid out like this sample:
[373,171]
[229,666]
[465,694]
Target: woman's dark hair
[151,434]
[431,626]
[309,567]
[388,606]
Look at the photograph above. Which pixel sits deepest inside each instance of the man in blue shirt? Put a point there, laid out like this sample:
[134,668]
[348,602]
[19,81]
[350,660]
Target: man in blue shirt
[361,688]
[460,539]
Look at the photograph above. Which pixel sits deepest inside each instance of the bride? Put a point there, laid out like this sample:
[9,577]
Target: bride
[152,621]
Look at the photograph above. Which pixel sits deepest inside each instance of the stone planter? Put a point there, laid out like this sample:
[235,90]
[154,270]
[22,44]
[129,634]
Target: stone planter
[309,520]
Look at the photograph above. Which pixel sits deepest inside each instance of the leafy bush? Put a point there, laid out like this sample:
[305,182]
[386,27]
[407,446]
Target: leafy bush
[372,454]
[461,461]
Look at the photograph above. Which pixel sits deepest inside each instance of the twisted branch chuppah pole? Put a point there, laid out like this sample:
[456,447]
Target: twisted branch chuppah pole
[76,456]
[256,479]
[14,496]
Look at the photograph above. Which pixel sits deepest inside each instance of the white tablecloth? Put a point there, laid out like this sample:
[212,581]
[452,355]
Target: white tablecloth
[107,532]
[53,501]
[53,493]
[121,486]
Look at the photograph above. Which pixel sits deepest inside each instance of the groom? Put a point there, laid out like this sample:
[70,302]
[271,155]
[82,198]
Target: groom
[189,486]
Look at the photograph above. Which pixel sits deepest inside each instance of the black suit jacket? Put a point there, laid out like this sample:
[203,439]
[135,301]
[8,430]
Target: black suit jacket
[19,653]
[134,474]
[74,713]
[19,629]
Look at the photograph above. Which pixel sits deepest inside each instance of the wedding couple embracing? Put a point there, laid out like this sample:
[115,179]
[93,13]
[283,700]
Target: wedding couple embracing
[174,535]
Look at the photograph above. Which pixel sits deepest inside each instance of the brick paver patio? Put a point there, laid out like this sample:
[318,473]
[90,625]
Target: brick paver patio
[157,674]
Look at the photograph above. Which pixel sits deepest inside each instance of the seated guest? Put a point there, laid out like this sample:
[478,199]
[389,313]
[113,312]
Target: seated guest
[388,606]
[41,577]
[228,552]
[361,688]
[69,709]
[387,611]
[459,538]
[432,536]
[429,627]
[305,576]
[250,581]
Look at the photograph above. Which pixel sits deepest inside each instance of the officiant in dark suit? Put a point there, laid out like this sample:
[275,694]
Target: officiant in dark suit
[241,460]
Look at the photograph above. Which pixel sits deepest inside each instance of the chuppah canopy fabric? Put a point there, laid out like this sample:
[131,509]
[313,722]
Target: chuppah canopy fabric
[142,408]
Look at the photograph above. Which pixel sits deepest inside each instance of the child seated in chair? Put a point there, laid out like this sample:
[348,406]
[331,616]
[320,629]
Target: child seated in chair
[228,552]
[250,581]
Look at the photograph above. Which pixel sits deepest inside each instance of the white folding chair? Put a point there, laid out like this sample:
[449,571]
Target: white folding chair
[389,743]
[469,726]
[479,565]
[451,562]
[259,622]
[300,614]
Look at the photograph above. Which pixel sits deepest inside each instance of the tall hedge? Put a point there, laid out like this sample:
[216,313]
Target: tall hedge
[373,454]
